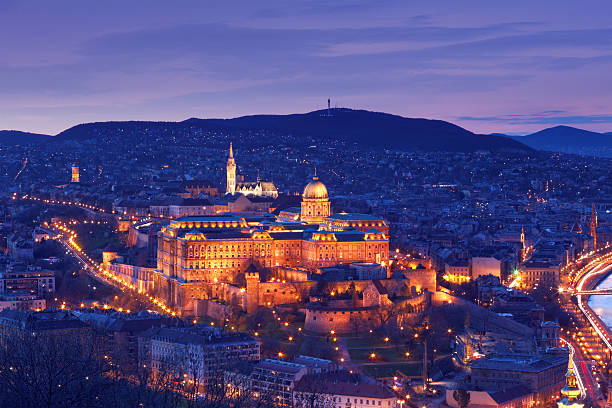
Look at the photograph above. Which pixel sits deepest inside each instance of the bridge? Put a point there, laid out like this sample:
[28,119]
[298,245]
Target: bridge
[607,291]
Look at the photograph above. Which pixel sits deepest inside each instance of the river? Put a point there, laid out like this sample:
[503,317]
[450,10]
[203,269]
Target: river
[602,304]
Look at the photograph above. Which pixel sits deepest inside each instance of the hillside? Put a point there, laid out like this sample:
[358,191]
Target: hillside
[377,130]
[15,137]
[569,139]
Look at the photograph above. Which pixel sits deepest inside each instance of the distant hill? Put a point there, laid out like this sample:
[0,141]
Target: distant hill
[15,137]
[378,130]
[569,139]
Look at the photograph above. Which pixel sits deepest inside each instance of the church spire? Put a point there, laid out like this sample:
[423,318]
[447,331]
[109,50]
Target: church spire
[523,244]
[570,391]
[231,172]
[594,225]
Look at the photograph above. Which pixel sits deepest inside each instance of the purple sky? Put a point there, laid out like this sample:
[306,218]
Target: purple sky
[489,66]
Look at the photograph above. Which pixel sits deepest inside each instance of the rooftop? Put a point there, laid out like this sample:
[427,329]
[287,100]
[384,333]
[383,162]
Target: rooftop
[520,362]
[353,217]
[342,383]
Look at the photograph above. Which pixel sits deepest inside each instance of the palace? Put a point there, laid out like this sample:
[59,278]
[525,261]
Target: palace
[257,188]
[199,256]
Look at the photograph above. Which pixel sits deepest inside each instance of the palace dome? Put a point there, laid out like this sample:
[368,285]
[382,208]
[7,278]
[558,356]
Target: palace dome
[315,190]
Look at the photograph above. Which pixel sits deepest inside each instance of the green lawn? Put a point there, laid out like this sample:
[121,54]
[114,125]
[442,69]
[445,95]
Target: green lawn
[382,355]
[367,341]
[389,370]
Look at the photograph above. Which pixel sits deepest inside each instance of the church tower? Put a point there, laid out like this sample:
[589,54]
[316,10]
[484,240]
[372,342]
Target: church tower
[570,392]
[523,243]
[231,172]
[75,174]
[594,225]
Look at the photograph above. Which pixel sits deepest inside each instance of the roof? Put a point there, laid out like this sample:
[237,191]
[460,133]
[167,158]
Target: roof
[315,190]
[285,202]
[353,217]
[342,383]
[288,235]
[216,234]
[379,286]
[207,218]
[197,184]
[519,362]
[194,202]
[197,335]
[135,325]
[292,210]
[40,321]
[510,394]
[252,185]
[280,365]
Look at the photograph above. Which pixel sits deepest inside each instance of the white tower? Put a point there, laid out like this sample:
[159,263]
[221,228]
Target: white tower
[231,172]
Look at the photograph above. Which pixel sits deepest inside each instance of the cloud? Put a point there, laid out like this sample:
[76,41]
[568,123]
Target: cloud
[554,117]
[439,61]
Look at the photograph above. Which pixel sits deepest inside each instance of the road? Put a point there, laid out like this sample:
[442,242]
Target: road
[591,276]
[66,237]
[584,377]
[587,341]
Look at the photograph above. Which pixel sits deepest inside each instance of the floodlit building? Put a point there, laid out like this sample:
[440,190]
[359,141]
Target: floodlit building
[197,354]
[341,389]
[274,380]
[197,255]
[234,185]
[542,374]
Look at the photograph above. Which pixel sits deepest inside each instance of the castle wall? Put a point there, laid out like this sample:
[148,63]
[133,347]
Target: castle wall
[212,309]
[421,279]
[349,320]
[278,293]
[139,276]
[290,274]
[346,321]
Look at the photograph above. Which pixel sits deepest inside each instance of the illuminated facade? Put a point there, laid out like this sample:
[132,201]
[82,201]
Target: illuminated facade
[219,248]
[257,188]
[196,254]
[75,174]
[532,274]
[457,271]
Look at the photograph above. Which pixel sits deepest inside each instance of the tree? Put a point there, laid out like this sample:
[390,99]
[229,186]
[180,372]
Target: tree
[462,396]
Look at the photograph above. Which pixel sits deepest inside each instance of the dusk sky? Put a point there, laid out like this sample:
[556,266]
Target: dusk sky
[489,66]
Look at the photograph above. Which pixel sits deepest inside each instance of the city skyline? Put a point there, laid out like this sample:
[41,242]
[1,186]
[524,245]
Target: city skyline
[520,69]
[305,204]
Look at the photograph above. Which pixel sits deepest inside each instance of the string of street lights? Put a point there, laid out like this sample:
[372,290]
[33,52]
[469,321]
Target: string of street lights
[106,275]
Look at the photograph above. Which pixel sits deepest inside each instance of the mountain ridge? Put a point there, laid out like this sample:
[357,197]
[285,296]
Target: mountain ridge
[374,129]
[569,139]
[15,137]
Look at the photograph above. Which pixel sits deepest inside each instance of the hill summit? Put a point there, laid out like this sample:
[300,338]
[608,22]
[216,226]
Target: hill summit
[366,128]
[569,139]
